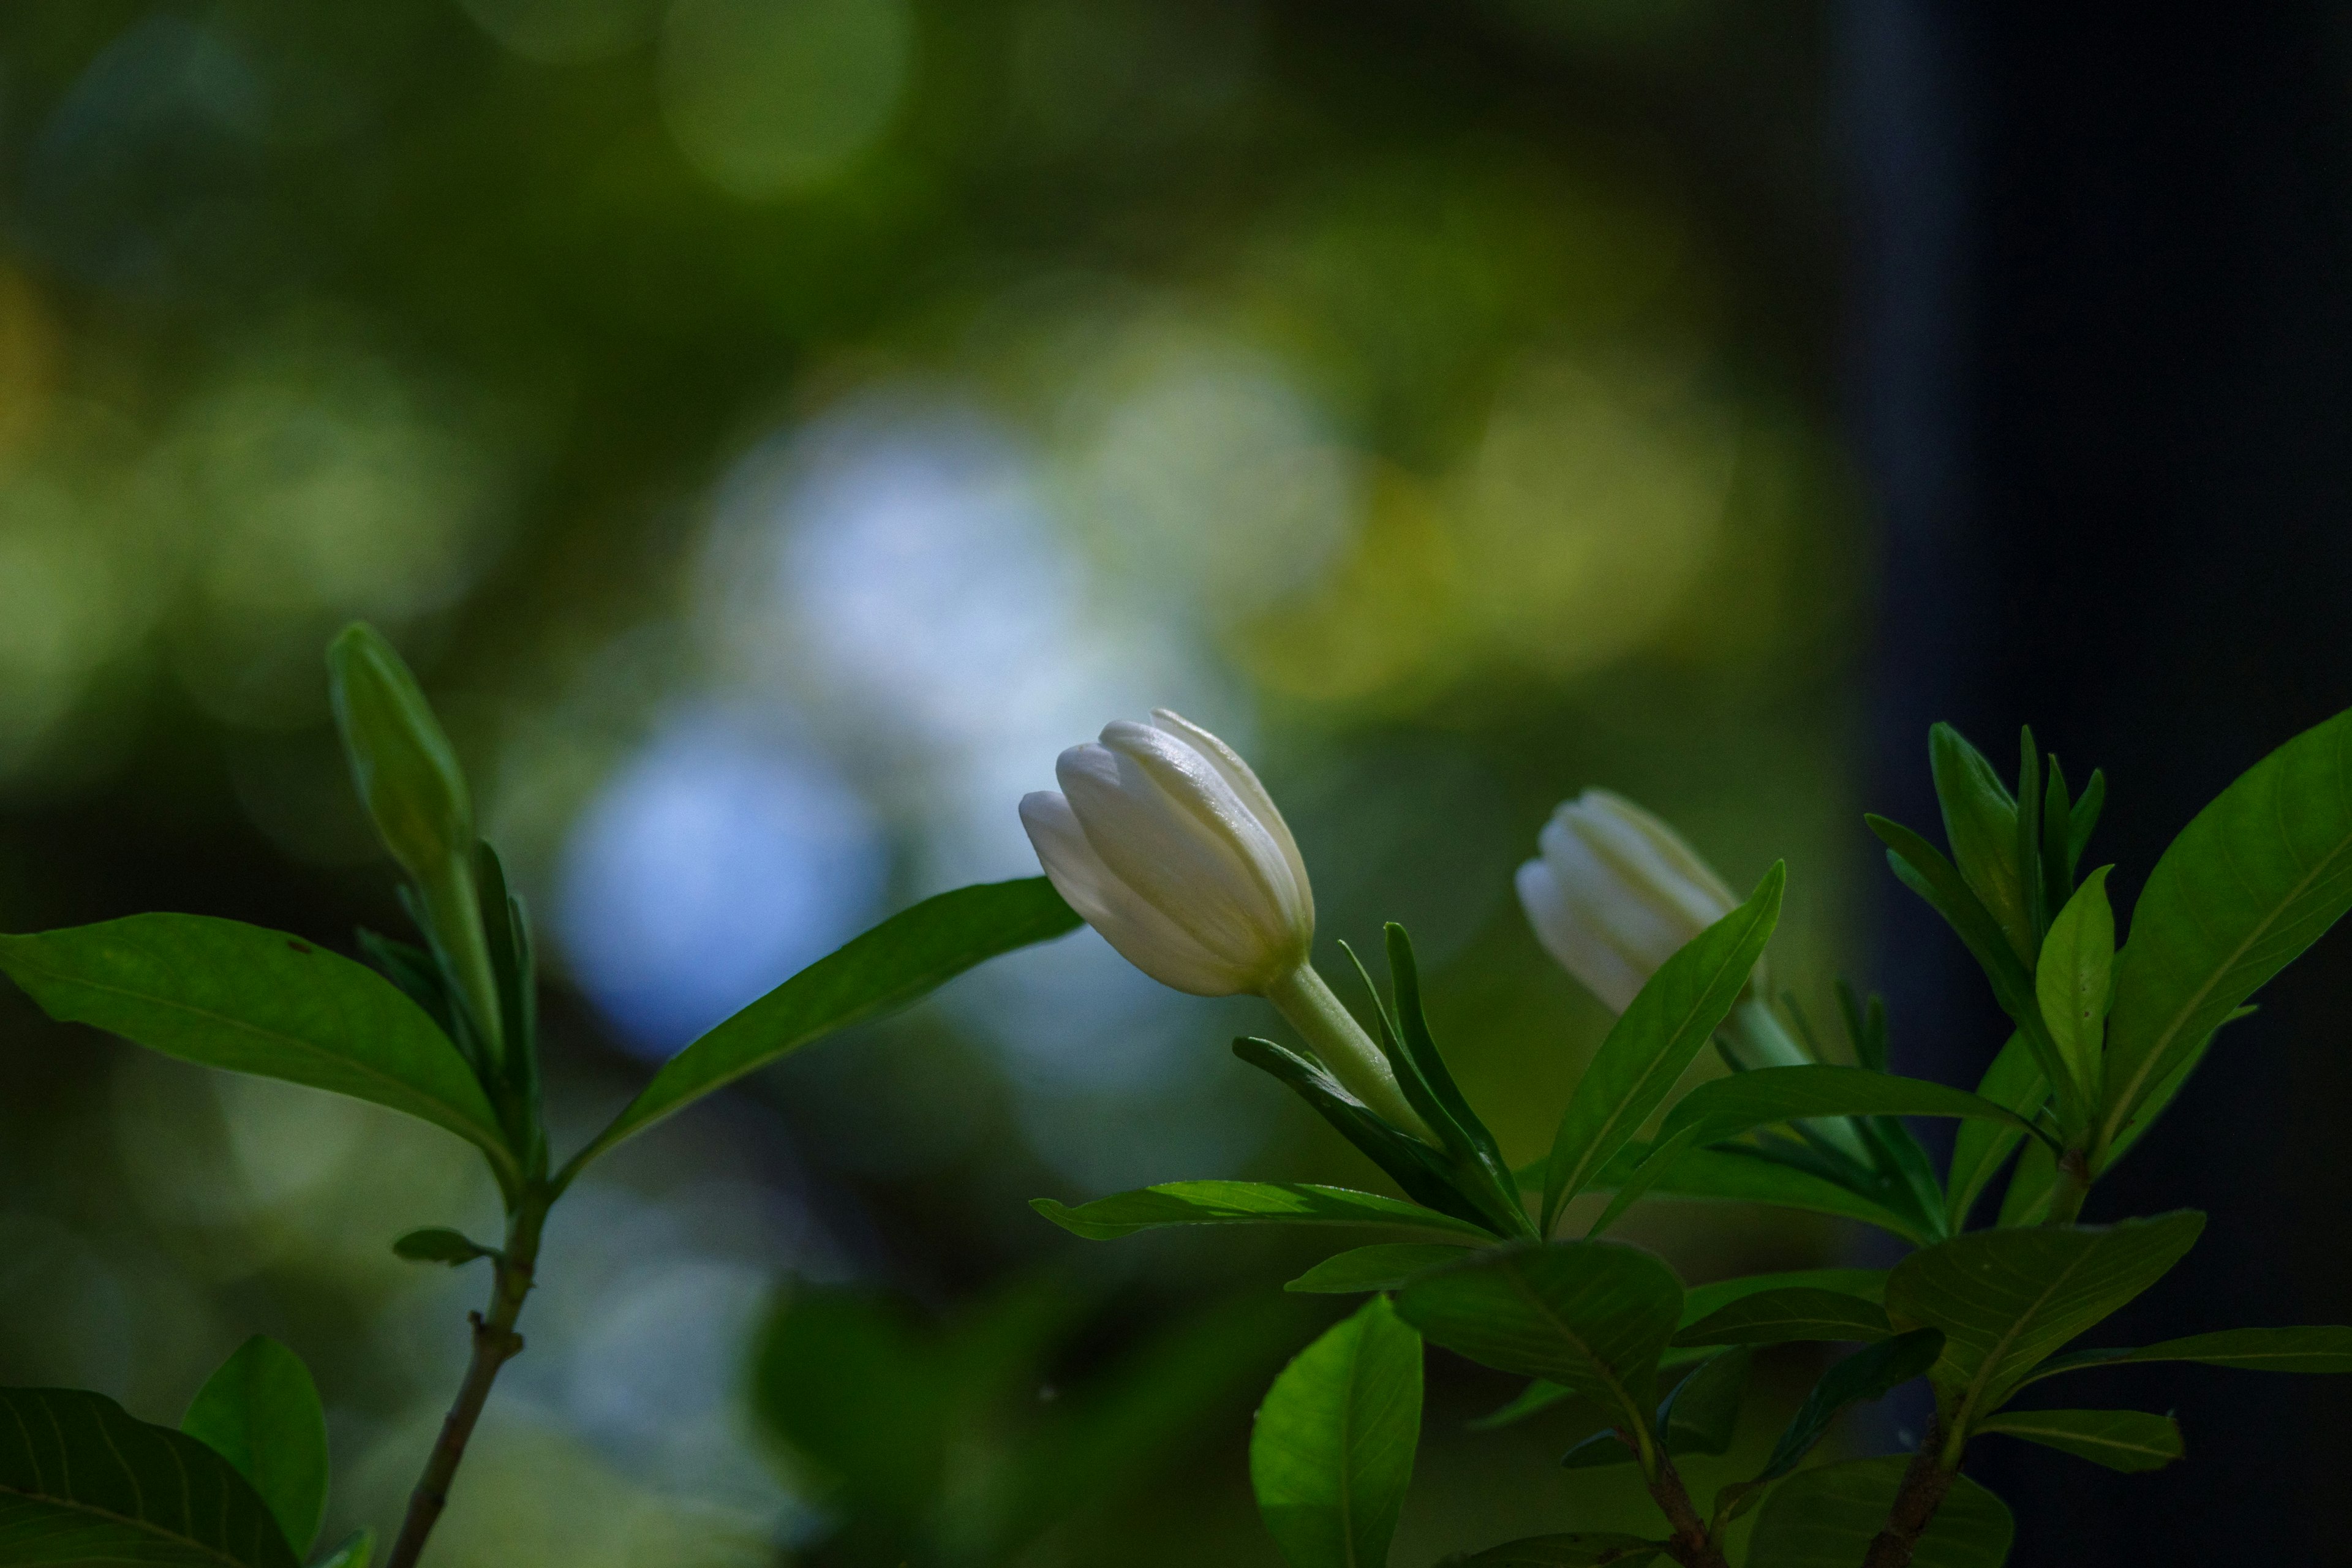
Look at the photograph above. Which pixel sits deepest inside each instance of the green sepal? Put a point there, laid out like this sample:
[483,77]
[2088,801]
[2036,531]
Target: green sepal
[1426,1175]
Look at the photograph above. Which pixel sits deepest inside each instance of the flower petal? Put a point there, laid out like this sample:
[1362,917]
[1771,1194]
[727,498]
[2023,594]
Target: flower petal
[1140,933]
[1580,947]
[1243,782]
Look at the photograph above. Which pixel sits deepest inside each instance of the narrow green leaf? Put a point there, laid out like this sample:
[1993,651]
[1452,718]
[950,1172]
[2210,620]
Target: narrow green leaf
[1592,1315]
[2071,981]
[1654,1042]
[437,1244]
[1541,1396]
[1243,1203]
[2251,882]
[2007,1300]
[1865,1375]
[357,1549]
[2318,1349]
[1827,1516]
[1332,1451]
[1662,1159]
[1734,1173]
[2042,896]
[1981,825]
[905,958]
[2057,820]
[1386,1266]
[1583,1549]
[2026,1201]
[1980,1148]
[1430,1085]
[1429,1177]
[2152,1107]
[1729,1107]
[2084,818]
[260,1411]
[1788,1314]
[2128,1440]
[228,994]
[83,1483]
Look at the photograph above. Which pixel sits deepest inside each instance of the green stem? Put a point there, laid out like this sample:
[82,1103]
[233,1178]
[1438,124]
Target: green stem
[1343,1047]
[495,1343]
[2072,1186]
[1757,1040]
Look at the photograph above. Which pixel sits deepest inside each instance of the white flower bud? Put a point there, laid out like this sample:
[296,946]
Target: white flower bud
[1169,846]
[1164,840]
[1615,893]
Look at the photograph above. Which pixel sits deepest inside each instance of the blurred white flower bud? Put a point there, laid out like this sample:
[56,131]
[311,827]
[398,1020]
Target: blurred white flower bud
[1164,840]
[1616,892]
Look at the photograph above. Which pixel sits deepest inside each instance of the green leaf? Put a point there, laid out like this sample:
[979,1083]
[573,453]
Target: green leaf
[2071,981]
[905,958]
[1920,867]
[1583,1549]
[1243,1203]
[83,1483]
[1729,1107]
[1703,1301]
[260,1411]
[2006,1300]
[1429,1176]
[2153,1105]
[228,994]
[1827,1516]
[1386,1266]
[1663,1028]
[358,1549]
[1790,1313]
[1332,1451]
[1980,1148]
[1981,825]
[1592,1315]
[2128,1440]
[1540,1395]
[2251,881]
[1865,1375]
[2027,1200]
[2315,1350]
[1737,1174]
[1481,1172]
[437,1244]
[2084,818]
[1698,1416]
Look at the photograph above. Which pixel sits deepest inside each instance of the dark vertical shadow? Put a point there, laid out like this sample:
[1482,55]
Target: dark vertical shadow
[2104,391]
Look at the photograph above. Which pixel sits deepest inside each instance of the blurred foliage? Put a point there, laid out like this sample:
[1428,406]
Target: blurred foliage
[774,430]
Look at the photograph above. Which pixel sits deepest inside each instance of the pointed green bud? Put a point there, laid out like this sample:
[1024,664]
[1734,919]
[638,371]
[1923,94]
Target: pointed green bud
[402,761]
[408,778]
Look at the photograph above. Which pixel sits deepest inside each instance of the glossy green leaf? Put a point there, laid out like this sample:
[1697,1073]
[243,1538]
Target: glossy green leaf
[2128,1440]
[1332,1451]
[1981,826]
[1828,1516]
[1386,1266]
[2026,1201]
[1651,1046]
[1980,1148]
[260,1411]
[2251,882]
[2318,1349]
[1243,1203]
[2152,1107]
[1582,1548]
[2007,1300]
[228,994]
[1788,1314]
[84,1483]
[2071,981]
[356,1550]
[1865,1375]
[905,958]
[1592,1315]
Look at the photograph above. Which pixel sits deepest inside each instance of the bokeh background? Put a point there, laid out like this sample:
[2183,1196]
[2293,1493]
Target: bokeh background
[776,427]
